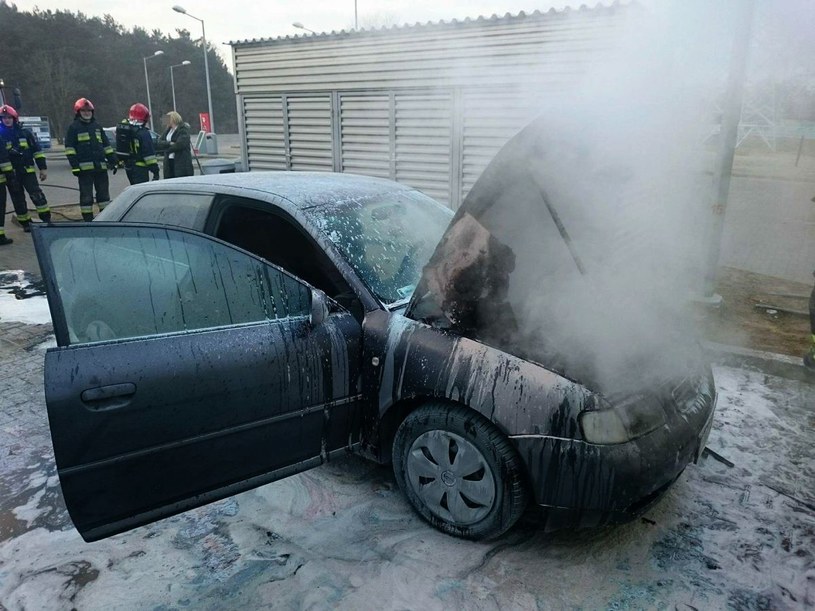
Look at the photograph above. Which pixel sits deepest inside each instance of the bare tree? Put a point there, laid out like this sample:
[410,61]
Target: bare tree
[56,78]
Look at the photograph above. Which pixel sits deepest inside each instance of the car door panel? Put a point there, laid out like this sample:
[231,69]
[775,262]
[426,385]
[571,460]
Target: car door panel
[147,426]
[206,413]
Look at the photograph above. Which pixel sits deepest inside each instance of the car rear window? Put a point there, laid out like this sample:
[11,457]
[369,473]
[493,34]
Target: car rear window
[188,210]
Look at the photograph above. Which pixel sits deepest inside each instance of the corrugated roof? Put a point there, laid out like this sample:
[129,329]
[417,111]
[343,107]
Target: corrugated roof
[453,23]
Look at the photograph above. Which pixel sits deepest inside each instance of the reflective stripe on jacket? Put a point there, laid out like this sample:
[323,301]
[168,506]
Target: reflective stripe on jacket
[87,147]
[24,151]
[144,153]
[5,165]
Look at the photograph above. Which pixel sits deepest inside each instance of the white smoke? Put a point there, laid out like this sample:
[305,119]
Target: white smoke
[628,171]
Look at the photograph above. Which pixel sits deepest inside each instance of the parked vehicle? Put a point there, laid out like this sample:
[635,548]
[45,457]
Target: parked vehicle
[219,332]
[41,128]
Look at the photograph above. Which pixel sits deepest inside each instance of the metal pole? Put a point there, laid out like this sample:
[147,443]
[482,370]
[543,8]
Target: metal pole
[172,85]
[727,146]
[356,25]
[147,83]
[206,71]
[183,11]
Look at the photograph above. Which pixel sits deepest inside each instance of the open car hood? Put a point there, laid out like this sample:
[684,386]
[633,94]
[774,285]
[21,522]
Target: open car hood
[529,265]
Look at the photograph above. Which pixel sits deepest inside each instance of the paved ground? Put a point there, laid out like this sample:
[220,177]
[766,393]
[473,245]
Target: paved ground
[770,218]
[342,537]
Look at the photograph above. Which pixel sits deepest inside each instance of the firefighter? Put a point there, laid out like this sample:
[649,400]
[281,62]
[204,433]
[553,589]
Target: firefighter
[6,173]
[91,156]
[26,158]
[140,155]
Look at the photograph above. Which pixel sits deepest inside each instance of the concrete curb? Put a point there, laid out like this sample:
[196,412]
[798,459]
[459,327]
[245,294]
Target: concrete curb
[779,365]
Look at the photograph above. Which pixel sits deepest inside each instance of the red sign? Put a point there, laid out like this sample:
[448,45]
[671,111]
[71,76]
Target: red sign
[203,117]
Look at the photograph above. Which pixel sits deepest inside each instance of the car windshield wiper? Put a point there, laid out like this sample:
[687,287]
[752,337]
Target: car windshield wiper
[401,303]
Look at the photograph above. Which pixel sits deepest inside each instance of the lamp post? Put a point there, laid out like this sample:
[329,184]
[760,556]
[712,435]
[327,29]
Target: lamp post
[186,62]
[183,11]
[147,83]
[300,26]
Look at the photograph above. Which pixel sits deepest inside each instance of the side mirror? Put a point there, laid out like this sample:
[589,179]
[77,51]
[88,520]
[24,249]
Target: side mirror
[319,308]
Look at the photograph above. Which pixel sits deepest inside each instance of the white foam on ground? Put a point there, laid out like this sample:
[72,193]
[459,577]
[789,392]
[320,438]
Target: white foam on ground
[31,311]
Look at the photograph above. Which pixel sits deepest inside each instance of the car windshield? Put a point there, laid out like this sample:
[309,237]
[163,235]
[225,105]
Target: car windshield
[387,238]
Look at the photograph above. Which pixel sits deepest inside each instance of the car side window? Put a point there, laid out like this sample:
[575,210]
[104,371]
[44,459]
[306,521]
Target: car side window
[280,241]
[127,282]
[180,209]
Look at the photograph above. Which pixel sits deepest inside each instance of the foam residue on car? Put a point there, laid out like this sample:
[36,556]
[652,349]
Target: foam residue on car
[416,360]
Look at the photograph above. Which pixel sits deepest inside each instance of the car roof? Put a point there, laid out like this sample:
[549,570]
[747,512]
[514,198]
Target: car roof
[303,189]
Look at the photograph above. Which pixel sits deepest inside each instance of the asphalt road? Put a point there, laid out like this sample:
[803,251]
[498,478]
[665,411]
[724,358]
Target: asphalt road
[60,186]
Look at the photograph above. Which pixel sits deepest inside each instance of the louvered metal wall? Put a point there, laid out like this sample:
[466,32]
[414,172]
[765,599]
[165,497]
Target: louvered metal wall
[366,135]
[310,131]
[489,119]
[425,105]
[264,133]
[423,142]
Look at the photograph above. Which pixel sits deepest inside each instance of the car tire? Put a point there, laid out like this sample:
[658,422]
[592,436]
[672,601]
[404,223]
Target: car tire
[459,472]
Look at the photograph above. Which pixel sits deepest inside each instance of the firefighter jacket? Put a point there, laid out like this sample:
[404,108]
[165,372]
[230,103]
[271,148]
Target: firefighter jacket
[23,150]
[142,151]
[5,168]
[87,147]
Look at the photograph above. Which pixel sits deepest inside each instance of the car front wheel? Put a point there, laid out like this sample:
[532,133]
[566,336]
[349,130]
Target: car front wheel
[458,472]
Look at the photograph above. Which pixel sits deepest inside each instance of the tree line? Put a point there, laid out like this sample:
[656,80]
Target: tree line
[56,57]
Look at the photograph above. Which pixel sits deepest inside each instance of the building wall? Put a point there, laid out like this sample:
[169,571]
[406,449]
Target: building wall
[427,105]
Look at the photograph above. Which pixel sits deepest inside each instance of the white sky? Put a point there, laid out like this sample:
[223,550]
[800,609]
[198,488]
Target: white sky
[232,20]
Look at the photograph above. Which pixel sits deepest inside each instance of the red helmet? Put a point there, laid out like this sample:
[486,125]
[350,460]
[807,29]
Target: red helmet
[139,112]
[83,104]
[8,111]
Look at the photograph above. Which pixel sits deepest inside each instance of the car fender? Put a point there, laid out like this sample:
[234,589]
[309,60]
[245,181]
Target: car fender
[407,363]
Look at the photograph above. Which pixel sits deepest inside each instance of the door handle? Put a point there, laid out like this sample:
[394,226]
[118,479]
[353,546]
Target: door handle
[108,397]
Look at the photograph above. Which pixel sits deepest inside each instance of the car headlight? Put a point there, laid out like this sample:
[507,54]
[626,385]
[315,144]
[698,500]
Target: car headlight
[634,417]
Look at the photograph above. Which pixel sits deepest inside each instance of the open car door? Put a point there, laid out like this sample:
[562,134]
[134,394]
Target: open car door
[186,370]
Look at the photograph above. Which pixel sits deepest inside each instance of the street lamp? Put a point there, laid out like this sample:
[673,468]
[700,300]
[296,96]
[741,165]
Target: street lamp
[186,62]
[300,26]
[183,11]
[147,83]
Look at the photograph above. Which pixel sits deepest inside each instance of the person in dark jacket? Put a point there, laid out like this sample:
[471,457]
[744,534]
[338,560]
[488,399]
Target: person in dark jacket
[6,174]
[26,158]
[175,143]
[91,156]
[141,160]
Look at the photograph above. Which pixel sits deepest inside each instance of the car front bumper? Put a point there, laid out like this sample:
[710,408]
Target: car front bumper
[582,484]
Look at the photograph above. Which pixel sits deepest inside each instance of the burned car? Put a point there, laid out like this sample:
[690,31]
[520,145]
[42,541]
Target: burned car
[217,333]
